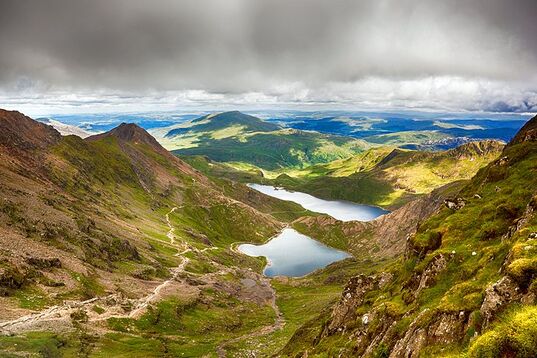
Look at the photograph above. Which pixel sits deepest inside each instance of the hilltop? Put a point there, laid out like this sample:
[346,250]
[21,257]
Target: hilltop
[249,141]
[219,121]
[18,132]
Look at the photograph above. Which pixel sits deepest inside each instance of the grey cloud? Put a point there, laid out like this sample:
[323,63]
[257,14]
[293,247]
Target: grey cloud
[269,46]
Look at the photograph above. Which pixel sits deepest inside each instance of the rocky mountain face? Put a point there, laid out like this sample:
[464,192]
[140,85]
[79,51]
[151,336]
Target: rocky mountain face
[466,284]
[131,133]
[381,238]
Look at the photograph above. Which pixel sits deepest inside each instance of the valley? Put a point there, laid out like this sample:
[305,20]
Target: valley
[114,246]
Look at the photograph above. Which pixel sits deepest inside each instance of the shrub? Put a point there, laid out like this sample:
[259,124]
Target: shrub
[426,242]
[79,316]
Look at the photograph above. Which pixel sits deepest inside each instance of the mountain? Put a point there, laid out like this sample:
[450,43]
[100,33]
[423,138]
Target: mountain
[18,132]
[391,177]
[220,121]
[102,236]
[249,141]
[113,246]
[465,286]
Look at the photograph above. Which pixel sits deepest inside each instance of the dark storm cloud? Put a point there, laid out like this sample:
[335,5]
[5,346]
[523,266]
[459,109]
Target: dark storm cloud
[288,50]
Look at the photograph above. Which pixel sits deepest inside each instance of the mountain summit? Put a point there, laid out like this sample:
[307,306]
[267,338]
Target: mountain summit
[224,121]
[132,133]
[19,131]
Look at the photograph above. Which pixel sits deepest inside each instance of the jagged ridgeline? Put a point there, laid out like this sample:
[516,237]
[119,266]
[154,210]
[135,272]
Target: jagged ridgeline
[465,286]
[113,246]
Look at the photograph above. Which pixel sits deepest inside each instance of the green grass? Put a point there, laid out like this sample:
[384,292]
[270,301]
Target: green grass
[42,344]
[193,327]
[239,138]
[514,334]
[383,176]
[33,298]
[274,150]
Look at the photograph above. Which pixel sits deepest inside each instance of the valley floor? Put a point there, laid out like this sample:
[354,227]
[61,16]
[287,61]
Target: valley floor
[107,321]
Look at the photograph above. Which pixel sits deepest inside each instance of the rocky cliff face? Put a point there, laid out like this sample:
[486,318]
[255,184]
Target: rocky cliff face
[384,237]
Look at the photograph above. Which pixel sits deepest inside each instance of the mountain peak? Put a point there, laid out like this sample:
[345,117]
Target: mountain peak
[223,119]
[20,131]
[132,133]
[528,133]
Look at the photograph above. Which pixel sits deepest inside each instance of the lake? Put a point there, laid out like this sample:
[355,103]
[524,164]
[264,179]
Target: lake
[293,254]
[338,209]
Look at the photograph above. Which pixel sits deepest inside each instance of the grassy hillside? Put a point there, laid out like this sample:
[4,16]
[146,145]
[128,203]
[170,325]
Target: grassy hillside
[466,285]
[384,176]
[392,178]
[135,240]
[236,137]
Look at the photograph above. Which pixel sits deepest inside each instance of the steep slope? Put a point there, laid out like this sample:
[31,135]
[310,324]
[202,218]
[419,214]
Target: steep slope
[466,285]
[380,239]
[247,140]
[19,133]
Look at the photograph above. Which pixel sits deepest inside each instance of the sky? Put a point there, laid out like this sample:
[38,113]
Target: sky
[65,56]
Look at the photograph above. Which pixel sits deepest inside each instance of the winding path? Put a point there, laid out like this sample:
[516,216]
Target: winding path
[63,312]
[279,322]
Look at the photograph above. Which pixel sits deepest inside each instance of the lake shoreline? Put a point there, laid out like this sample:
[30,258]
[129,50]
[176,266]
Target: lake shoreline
[292,254]
[342,210]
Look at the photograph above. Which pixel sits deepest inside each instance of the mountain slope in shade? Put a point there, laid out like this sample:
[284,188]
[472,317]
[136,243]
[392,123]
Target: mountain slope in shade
[466,285]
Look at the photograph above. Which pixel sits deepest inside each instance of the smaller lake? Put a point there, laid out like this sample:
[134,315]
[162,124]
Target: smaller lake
[338,209]
[293,254]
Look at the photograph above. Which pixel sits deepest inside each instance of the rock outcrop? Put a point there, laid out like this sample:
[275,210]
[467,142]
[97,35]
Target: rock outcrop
[527,133]
[352,297]
[502,292]
[455,204]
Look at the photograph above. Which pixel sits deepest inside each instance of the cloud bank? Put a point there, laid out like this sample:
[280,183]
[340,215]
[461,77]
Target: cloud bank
[64,55]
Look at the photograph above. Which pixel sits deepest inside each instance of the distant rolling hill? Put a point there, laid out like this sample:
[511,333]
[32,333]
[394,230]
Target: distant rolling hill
[419,130]
[248,140]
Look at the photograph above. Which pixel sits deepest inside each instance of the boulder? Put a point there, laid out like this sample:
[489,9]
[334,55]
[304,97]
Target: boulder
[455,204]
[500,293]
